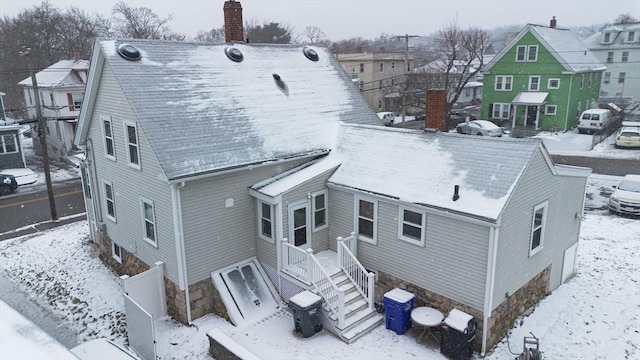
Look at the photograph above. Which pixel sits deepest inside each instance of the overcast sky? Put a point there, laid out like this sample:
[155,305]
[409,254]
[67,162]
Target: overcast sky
[343,19]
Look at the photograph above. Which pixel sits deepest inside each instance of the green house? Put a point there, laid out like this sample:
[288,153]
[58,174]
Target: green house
[541,80]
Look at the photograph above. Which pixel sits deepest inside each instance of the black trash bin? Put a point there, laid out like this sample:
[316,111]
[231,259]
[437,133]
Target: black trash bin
[306,308]
[457,335]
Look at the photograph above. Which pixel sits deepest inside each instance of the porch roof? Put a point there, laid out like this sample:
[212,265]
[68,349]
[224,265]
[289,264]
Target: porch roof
[283,183]
[530,98]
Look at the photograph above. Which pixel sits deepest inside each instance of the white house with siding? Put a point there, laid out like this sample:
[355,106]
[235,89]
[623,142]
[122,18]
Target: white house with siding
[232,161]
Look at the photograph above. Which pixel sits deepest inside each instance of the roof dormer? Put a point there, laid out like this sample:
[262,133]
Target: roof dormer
[608,37]
[631,36]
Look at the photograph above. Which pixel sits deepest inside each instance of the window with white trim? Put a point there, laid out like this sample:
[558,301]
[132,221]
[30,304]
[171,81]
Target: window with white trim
[607,37]
[8,144]
[379,103]
[606,78]
[503,83]
[621,77]
[500,110]
[361,67]
[366,219]
[116,252]
[412,225]
[625,56]
[532,53]
[537,228]
[77,98]
[553,83]
[265,221]
[527,53]
[534,83]
[133,149]
[149,221]
[319,205]
[521,53]
[631,36]
[110,200]
[109,145]
[550,109]
[610,57]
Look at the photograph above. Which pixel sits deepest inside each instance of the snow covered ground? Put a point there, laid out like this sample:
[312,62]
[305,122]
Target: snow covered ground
[596,315]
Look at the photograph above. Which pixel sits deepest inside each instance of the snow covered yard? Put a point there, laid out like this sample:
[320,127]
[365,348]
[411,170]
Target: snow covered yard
[596,315]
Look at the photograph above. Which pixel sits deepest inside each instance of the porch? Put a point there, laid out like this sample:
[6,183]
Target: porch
[346,287]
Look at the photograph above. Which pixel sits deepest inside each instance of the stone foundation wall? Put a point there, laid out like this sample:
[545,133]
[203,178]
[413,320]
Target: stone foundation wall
[503,317]
[205,299]
[130,264]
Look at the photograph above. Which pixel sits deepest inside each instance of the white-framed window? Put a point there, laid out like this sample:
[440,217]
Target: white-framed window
[532,53]
[381,67]
[500,110]
[606,78]
[503,83]
[537,228]
[133,149]
[550,109]
[621,77]
[78,97]
[110,200]
[521,53]
[8,144]
[366,219]
[319,210]
[107,132]
[361,67]
[149,221]
[116,252]
[527,53]
[631,36]
[625,56]
[534,83]
[610,57]
[265,221]
[412,225]
[553,83]
[607,37]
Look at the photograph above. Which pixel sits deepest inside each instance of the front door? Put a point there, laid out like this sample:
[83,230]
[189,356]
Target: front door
[299,231]
[532,115]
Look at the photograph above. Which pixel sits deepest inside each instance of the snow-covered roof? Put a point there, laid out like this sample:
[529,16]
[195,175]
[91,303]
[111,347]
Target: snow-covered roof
[284,182]
[423,168]
[562,44]
[530,98]
[61,74]
[617,39]
[202,112]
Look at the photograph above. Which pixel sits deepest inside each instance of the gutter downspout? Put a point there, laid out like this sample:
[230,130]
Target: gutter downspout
[489,285]
[279,235]
[566,118]
[180,250]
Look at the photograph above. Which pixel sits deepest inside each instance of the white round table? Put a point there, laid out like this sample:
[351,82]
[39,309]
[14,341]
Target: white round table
[426,318]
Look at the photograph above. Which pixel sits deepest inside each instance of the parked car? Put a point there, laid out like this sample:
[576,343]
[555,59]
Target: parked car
[387,117]
[629,135]
[102,349]
[625,199]
[479,127]
[459,115]
[8,184]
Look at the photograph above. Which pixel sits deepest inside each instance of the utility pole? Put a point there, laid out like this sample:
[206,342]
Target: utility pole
[406,72]
[42,134]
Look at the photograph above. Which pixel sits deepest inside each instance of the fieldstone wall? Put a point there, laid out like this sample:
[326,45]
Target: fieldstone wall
[130,264]
[176,303]
[204,299]
[502,317]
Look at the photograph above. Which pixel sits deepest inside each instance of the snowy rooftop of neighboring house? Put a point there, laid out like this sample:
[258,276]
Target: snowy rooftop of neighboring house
[617,38]
[61,74]
[202,112]
[563,44]
[430,165]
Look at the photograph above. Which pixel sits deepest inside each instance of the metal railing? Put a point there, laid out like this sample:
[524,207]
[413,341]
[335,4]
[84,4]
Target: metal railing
[347,261]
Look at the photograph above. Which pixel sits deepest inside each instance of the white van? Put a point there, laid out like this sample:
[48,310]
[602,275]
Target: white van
[387,117]
[594,120]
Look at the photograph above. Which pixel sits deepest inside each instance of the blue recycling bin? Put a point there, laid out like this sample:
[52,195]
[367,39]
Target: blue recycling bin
[397,308]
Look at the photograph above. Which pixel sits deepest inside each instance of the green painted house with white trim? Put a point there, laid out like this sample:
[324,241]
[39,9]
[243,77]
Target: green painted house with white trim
[541,80]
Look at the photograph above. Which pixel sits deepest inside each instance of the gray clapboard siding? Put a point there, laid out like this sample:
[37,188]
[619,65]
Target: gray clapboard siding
[452,263]
[217,236]
[514,267]
[130,184]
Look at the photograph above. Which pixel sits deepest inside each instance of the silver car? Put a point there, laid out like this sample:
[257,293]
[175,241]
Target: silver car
[479,127]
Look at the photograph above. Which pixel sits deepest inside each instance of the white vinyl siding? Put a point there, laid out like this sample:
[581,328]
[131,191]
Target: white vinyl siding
[149,221]
[107,133]
[133,149]
[411,227]
[110,200]
[366,219]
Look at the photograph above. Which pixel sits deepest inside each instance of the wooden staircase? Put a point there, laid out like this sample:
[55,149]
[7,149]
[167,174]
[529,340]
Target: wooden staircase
[359,318]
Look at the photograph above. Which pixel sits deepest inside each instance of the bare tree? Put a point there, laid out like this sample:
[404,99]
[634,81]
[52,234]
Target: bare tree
[214,35]
[315,35]
[625,19]
[141,23]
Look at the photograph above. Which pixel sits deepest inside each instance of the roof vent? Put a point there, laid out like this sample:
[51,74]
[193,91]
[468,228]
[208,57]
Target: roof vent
[310,53]
[234,54]
[129,52]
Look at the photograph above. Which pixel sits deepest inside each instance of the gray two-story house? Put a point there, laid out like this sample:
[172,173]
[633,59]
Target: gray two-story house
[254,172]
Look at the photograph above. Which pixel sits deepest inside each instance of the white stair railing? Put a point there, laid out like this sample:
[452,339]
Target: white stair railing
[306,267]
[363,279]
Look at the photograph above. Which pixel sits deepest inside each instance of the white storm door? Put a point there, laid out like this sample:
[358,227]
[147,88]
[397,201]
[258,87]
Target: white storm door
[299,221]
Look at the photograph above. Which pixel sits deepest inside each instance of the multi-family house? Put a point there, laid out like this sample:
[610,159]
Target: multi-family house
[61,92]
[197,156]
[618,47]
[380,76]
[541,80]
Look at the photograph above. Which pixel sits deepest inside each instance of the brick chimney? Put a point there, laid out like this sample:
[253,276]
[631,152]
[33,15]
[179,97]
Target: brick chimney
[553,23]
[233,21]
[436,108]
